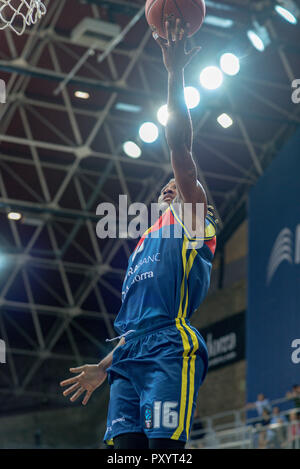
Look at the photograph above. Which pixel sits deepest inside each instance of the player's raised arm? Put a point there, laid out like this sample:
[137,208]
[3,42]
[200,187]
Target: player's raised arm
[179,131]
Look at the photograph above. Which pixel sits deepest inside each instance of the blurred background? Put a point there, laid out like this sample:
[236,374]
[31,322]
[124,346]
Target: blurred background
[84,122]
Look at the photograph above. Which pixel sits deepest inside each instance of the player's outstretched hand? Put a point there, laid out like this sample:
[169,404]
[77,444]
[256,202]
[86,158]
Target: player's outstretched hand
[90,377]
[174,50]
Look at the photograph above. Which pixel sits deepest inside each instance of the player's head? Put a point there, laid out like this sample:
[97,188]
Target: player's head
[168,194]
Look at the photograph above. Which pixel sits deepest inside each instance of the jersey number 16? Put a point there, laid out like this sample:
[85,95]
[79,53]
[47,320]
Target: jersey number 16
[164,413]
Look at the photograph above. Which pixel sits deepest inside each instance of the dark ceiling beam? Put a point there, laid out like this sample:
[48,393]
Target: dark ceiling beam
[116,5]
[40,101]
[80,81]
[124,6]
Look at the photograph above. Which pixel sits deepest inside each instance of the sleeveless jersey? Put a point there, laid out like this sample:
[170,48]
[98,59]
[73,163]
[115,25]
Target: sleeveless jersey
[168,274]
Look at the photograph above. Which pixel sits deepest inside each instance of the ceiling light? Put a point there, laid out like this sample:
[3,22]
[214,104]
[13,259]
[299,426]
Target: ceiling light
[81,95]
[230,64]
[211,78]
[148,132]
[218,22]
[127,107]
[162,115]
[225,120]
[132,149]
[286,14]
[192,97]
[14,216]
[259,37]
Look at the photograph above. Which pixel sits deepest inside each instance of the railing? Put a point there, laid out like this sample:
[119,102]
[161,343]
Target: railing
[232,429]
[276,436]
[235,418]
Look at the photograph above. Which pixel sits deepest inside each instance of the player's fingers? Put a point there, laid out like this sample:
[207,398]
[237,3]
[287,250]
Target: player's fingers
[87,397]
[159,40]
[77,394]
[168,33]
[177,30]
[66,382]
[77,370]
[186,31]
[71,389]
[193,52]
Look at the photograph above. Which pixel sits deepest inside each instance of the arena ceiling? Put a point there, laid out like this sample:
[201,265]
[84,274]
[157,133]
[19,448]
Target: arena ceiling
[61,156]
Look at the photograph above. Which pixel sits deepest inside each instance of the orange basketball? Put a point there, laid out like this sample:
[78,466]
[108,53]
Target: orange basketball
[189,11]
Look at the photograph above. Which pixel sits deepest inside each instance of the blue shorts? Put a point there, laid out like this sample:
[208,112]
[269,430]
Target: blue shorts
[155,377]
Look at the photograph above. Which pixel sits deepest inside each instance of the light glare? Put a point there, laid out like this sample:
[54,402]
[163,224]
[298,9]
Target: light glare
[286,14]
[256,41]
[230,64]
[162,115]
[132,149]
[211,78]
[82,95]
[148,132]
[192,97]
[225,120]
[14,216]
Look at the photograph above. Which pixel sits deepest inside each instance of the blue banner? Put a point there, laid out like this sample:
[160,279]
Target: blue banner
[273,316]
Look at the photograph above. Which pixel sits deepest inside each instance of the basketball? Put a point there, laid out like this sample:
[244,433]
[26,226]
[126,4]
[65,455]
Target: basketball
[189,11]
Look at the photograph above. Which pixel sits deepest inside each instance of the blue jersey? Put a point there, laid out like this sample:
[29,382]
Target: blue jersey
[168,276]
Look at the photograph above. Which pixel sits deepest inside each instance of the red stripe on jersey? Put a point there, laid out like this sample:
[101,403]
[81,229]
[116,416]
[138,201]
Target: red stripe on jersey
[139,243]
[165,219]
[212,243]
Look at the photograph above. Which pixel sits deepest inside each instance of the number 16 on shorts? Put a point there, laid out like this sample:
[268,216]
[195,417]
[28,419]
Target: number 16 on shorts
[164,414]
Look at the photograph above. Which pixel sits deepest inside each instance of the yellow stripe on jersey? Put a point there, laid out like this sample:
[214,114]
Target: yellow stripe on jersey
[184,374]
[182,287]
[209,231]
[192,377]
[188,269]
[187,266]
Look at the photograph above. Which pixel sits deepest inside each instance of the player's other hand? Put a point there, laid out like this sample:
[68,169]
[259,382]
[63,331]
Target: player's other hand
[174,51]
[90,377]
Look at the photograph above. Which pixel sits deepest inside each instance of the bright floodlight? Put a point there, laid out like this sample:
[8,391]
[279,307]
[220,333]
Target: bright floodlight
[286,14]
[14,216]
[256,41]
[162,115]
[211,78]
[192,97]
[148,132]
[218,22]
[132,149]
[230,64]
[82,94]
[225,120]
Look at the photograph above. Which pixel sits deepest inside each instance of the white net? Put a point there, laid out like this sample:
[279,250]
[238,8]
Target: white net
[17,14]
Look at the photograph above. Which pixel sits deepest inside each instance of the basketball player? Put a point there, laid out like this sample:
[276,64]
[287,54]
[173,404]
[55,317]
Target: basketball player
[161,360]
